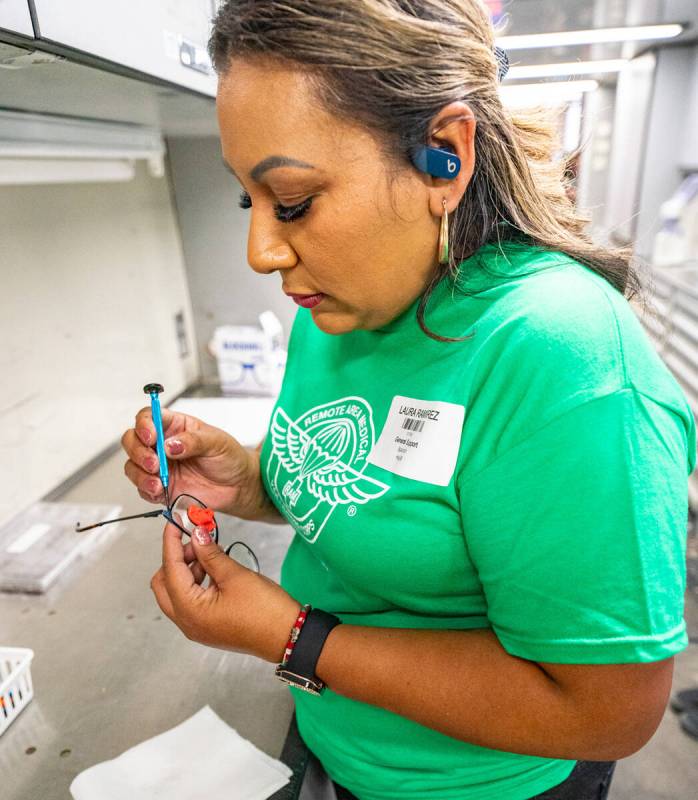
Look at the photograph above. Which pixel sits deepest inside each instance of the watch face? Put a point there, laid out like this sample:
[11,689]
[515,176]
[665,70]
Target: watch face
[299,681]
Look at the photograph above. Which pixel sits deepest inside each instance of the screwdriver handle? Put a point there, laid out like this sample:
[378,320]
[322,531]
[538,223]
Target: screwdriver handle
[154,389]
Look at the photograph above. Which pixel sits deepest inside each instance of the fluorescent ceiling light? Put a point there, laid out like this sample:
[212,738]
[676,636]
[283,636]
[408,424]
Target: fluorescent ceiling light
[567,68]
[635,33]
[534,94]
[34,171]
[37,148]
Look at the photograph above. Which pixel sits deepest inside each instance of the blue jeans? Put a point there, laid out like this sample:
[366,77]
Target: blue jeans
[589,780]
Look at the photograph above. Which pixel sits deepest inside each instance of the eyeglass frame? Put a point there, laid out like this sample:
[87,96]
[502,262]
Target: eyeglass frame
[167,513]
[252,368]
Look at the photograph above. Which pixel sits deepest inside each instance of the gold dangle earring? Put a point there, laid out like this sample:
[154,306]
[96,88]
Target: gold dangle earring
[443,236]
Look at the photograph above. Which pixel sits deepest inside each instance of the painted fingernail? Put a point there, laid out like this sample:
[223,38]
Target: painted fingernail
[202,536]
[151,464]
[153,485]
[144,435]
[174,446]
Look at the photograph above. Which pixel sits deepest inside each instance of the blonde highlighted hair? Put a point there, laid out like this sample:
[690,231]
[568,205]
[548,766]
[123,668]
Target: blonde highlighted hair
[392,65]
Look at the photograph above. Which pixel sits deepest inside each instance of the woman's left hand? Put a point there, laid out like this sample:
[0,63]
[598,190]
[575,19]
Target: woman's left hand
[240,610]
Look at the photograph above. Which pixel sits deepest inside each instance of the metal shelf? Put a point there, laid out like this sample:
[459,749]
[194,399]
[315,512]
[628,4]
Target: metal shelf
[673,330]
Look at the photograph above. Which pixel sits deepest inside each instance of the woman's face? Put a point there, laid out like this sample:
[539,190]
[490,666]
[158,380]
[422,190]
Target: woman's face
[369,248]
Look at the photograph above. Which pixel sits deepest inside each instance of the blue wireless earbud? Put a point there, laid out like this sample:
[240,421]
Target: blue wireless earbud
[436,162]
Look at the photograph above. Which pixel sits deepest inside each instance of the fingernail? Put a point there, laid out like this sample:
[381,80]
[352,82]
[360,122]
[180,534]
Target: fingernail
[151,464]
[153,485]
[202,536]
[144,435]
[174,446]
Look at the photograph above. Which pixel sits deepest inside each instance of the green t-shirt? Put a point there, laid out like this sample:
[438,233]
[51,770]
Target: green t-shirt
[531,479]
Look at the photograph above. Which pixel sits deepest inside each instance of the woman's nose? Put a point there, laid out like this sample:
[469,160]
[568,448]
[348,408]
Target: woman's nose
[267,253]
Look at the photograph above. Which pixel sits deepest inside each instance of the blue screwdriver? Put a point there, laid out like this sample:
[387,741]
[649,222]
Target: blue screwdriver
[154,389]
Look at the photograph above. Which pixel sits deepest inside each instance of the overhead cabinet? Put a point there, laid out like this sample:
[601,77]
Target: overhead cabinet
[15,17]
[163,38]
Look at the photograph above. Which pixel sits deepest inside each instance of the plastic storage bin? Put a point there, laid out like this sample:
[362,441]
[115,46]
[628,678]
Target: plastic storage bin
[16,688]
[250,359]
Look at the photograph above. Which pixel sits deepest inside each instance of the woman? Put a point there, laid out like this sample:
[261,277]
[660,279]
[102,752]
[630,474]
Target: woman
[482,456]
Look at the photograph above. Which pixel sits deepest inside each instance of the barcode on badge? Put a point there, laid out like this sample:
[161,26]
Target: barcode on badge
[413,424]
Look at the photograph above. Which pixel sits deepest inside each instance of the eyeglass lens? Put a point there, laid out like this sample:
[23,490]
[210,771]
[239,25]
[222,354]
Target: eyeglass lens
[241,553]
[189,513]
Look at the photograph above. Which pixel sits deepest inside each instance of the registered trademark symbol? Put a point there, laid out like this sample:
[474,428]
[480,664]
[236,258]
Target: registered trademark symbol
[351,511]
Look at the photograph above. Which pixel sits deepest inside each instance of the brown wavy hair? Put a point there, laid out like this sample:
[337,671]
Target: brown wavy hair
[393,65]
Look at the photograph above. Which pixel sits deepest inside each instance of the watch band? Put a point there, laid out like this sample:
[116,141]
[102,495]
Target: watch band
[299,670]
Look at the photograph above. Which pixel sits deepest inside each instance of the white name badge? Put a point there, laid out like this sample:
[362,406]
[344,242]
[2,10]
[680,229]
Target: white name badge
[420,440]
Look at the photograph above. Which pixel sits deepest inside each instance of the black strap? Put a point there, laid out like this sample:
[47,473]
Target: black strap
[311,639]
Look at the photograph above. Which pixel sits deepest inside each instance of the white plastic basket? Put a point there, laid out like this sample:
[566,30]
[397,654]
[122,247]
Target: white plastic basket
[16,688]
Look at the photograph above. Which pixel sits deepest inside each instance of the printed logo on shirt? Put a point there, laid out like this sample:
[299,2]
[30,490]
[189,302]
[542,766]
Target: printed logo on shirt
[317,462]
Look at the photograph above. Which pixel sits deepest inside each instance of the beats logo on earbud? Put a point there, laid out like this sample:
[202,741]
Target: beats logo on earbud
[434,161]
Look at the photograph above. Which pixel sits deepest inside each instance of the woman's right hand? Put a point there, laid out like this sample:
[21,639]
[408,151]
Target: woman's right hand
[203,461]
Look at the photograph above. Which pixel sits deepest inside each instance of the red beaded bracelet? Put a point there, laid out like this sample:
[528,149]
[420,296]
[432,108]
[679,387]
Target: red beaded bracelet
[295,632]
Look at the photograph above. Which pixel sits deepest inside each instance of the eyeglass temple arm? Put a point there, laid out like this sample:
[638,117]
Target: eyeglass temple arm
[120,519]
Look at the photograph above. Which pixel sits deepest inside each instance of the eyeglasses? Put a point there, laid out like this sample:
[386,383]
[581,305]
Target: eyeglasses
[236,374]
[185,512]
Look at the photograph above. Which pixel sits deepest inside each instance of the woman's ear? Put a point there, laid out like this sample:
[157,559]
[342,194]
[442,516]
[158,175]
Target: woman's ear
[453,130]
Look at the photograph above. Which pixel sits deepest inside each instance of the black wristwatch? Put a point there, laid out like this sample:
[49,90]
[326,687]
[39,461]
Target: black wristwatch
[299,670]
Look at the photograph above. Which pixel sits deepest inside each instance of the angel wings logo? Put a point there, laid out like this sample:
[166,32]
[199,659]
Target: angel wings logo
[317,462]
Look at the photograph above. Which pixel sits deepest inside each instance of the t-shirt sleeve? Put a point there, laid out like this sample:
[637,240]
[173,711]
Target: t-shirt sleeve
[578,534]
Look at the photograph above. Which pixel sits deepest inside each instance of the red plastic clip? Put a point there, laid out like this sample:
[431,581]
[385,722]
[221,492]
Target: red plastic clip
[201,517]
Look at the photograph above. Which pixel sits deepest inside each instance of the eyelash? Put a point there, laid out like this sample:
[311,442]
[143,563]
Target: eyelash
[283,213]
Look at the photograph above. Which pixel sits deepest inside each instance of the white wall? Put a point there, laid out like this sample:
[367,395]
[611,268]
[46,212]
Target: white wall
[91,278]
[224,289]
[634,97]
[592,180]
[689,155]
[672,132]
[667,139]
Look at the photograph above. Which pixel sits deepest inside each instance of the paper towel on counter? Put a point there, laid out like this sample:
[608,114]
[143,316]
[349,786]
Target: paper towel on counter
[201,758]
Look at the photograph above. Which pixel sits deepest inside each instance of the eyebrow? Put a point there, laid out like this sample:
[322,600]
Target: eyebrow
[271,162]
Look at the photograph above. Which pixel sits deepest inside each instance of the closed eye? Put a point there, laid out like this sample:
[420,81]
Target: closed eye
[283,213]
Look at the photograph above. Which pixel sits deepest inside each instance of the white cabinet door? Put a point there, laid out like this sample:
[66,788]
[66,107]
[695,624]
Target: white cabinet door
[15,17]
[164,38]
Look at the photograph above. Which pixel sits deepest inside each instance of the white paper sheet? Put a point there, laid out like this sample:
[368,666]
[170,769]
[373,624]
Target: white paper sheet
[202,757]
